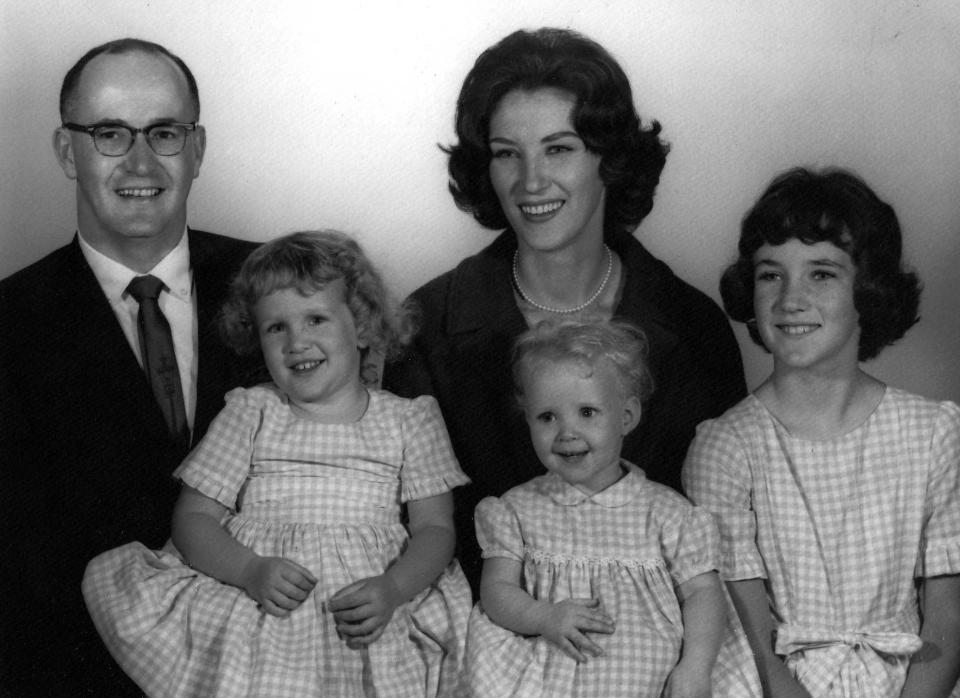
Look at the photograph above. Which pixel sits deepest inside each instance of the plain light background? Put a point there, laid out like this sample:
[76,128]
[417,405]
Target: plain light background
[323,114]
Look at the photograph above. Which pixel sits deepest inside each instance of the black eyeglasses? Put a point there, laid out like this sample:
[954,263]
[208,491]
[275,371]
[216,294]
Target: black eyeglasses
[114,140]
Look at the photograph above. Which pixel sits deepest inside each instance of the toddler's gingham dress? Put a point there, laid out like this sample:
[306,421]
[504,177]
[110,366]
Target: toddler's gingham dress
[839,530]
[628,546]
[328,496]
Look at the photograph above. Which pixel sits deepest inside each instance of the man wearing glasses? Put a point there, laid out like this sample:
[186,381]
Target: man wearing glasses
[110,362]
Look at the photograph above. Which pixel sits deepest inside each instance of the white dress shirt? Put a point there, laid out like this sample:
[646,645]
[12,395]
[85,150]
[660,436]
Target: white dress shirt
[177,302]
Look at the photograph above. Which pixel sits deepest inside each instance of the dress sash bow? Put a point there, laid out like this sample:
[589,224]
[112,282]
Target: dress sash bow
[866,663]
[793,638]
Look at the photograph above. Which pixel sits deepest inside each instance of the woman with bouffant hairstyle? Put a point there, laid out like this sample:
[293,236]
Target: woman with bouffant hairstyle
[631,157]
[837,496]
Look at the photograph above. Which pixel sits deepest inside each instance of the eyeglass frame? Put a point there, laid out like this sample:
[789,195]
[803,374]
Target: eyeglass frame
[190,126]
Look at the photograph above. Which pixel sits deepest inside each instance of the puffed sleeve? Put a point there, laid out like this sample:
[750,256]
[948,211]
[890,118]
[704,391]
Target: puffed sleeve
[220,463]
[717,477]
[429,465]
[689,542]
[498,529]
[941,536]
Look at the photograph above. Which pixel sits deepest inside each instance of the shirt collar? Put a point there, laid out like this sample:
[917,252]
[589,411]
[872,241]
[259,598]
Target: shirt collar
[619,494]
[173,270]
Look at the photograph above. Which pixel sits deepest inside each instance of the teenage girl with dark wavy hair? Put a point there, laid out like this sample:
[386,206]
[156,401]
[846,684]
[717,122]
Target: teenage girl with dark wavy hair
[837,496]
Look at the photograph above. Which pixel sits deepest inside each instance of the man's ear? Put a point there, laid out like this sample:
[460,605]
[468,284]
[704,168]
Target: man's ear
[631,414]
[199,148]
[63,150]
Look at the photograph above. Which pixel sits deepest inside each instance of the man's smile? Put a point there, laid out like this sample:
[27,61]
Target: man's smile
[139,192]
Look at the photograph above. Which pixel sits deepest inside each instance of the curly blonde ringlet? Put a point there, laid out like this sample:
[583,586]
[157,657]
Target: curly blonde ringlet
[308,261]
[587,343]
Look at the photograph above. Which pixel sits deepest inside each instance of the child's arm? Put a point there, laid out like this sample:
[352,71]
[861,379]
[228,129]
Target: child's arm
[564,623]
[704,618]
[750,599]
[363,609]
[934,669]
[277,584]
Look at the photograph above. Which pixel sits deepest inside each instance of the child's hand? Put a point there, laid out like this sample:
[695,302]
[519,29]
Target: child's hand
[277,584]
[363,609]
[687,682]
[568,621]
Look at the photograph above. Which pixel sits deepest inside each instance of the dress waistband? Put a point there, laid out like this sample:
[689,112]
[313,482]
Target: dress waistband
[795,638]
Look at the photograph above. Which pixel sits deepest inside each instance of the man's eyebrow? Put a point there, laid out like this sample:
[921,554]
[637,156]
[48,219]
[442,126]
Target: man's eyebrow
[110,122]
[120,122]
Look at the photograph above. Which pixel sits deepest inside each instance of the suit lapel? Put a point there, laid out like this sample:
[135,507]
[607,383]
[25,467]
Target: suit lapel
[209,360]
[213,266]
[102,361]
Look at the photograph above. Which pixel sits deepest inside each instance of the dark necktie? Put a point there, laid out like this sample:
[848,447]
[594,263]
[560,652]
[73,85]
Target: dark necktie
[159,359]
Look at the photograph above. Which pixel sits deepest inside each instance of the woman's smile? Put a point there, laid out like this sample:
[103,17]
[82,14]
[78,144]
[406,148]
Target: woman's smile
[546,179]
[539,212]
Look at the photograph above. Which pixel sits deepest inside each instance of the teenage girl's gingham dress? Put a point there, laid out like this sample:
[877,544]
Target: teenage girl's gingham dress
[627,546]
[839,529]
[328,496]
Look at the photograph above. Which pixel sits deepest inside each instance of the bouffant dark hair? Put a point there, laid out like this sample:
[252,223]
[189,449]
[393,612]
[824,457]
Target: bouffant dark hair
[833,205]
[604,116]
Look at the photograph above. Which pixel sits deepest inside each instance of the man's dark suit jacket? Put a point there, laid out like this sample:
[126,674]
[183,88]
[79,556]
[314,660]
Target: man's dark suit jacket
[85,459]
[461,355]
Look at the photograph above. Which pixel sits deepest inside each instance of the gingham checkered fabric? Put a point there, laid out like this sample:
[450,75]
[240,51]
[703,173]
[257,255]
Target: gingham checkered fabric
[839,529]
[325,495]
[627,546]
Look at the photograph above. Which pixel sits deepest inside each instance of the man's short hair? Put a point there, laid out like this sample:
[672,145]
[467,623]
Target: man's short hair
[120,46]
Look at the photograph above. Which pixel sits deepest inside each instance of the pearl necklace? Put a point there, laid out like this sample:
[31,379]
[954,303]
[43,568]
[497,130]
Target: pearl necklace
[563,311]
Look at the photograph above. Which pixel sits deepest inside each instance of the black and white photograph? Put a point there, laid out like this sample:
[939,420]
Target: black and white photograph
[598,348]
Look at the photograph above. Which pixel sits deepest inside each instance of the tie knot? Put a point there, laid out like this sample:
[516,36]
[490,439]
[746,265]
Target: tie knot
[145,287]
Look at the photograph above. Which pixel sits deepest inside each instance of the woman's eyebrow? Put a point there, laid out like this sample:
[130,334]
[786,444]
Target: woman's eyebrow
[546,139]
[558,135]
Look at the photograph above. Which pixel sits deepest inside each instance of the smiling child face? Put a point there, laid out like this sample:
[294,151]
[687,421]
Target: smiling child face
[578,417]
[311,346]
[803,300]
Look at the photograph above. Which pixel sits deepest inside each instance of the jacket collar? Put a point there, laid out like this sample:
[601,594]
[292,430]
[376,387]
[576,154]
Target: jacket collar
[482,294]
[480,291]
[200,250]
